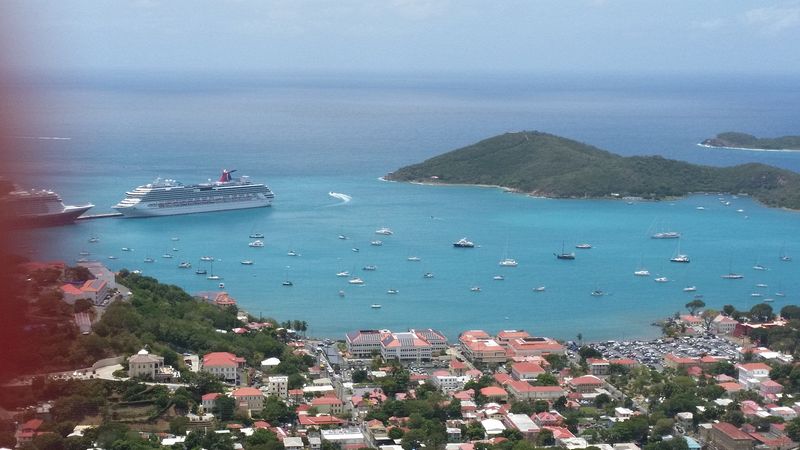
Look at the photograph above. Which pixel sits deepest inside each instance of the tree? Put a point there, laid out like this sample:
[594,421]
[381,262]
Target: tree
[518,407]
[708,318]
[589,352]
[396,433]
[224,408]
[360,376]
[694,305]
[790,312]
[205,383]
[540,406]
[276,411]
[793,429]
[723,367]
[546,379]
[545,438]
[728,310]
[761,312]
[178,425]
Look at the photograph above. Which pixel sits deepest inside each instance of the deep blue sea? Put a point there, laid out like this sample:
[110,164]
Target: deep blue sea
[308,135]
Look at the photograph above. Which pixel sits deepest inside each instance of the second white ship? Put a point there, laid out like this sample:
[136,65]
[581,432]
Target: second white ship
[169,197]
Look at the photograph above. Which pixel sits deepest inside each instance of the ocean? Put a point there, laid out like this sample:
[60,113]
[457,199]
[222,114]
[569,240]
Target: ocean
[309,135]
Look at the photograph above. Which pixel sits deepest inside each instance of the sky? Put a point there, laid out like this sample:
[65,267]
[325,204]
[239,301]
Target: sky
[430,36]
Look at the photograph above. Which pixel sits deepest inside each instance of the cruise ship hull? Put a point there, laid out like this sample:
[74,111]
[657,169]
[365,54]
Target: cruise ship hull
[140,211]
[67,216]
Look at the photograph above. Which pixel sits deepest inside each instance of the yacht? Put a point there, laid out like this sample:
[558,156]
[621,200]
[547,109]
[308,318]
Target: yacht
[761,285]
[175,238]
[508,262]
[287,283]
[126,249]
[732,276]
[185,265]
[661,280]
[213,277]
[200,271]
[94,239]
[666,235]
[475,289]
[256,243]
[759,267]
[780,294]
[498,278]
[342,237]
[292,253]
[355,280]
[369,268]
[768,300]
[376,243]
[112,257]
[392,291]
[690,289]
[341,293]
[642,273]
[680,259]
[756,294]
[166,256]
[206,258]
[246,262]
[355,249]
[427,275]
[598,293]
[584,246]
[256,235]
[149,260]
[463,243]
[539,289]
[343,274]
[375,306]
[414,258]
[384,231]
[169,197]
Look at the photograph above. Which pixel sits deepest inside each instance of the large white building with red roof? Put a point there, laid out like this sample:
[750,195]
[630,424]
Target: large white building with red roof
[227,366]
[249,398]
[752,374]
[406,346]
[480,348]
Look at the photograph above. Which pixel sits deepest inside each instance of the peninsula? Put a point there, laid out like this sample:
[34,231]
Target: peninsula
[743,140]
[547,165]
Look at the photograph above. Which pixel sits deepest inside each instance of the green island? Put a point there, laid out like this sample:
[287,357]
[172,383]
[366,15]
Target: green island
[733,139]
[546,165]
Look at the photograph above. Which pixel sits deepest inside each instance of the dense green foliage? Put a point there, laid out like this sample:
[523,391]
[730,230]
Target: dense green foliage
[548,165]
[744,140]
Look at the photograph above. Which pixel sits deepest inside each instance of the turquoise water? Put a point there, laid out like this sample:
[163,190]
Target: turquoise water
[306,140]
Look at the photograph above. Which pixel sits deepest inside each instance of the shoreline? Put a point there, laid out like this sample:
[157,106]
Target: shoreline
[766,150]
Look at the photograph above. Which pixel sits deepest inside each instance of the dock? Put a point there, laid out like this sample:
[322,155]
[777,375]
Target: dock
[99,216]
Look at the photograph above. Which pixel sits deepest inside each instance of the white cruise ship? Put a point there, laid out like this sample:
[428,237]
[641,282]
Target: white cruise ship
[35,208]
[169,197]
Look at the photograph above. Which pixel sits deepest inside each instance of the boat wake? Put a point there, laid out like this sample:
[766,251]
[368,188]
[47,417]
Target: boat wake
[343,197]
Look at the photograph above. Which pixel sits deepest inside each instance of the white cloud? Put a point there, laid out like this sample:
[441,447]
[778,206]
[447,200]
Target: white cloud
[773,20]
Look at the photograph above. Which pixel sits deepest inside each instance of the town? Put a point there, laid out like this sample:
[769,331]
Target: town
[132,363]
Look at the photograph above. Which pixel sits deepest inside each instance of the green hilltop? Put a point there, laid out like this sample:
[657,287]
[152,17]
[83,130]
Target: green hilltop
[744,140]
[548,165]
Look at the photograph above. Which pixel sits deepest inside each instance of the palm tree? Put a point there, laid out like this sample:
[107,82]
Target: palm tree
[580,339]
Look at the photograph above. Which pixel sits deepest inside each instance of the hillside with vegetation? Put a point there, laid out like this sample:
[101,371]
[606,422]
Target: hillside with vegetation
[547,165]
[744,140]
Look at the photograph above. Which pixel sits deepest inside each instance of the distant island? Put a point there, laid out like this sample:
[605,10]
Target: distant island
[743,140]
[546,165]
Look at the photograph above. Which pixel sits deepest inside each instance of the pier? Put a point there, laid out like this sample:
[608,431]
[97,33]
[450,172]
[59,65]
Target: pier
[99,216]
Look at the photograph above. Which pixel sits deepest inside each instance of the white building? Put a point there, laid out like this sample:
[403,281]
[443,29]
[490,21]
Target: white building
[752,374]
[364,343]
[405,346]
[144,365]
[277,385]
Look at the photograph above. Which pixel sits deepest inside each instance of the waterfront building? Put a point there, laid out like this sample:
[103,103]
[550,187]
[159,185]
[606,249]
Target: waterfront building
[522,390]
[435,338]
[227,366]
[364,343]
[406,346]
[480,348]
[534,346]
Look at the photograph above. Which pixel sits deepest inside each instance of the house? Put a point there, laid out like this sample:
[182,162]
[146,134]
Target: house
[492,427]
[227,366]
[770,389]
[523,424]
[293,443]
[346,438]
[28,430]
[277,385]
[494,393]
[70,293]
[320,420]
[723,325]
[522,390]
[752,374]
[525,371]
[327,405]
[95,290]
[144,365]
[447,382]
[598,367]
[210,400]
[586,384]
[725,436]
[249,398]
[548,419]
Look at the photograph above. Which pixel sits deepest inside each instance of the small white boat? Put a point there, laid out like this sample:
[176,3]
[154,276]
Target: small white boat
[392,291]
[292,253]
[112,257]
[137,272]
[740,210]
[756,294]
[126,249]
[287,283]
[661,280]
[680,259]
[475,289]
[414,258]
[342,237]
[185,265]
[149,260]
[94,239]
[200,271]
[355,280]
[246,262]
[498,278]
[584,246]
[700,208]
[166,256]
[539,289]
[463,243]
[256,235]
[759,267]
[376,243]
[175,238]
[598,293]
[642,273]
[375,306]
[355,249]
[84,253]
[384,231]
[343,274]
[221,285]
[690,289]
[768,300]
[508,262]
[256,243]
[369,268]
[341,293]
[213,277]
[732,276]
[427,275]
[761,285]
[206,258]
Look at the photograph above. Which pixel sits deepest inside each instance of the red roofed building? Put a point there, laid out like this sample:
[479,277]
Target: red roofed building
[598,367]
[505,336]
[249,398]
[548,419]
[457,367]
[209,400]
[526,371]
[725,436]
[70,293]
[624,362]
[534,346]
[501,378]
[480,348]
[226,366]
[327,405]
[752,374]
[222,299]
[730,387]
[586,384]
[322,420]
[770,389]
[494,393]
[560,432]
[28,430]
[522,390]
[406,346]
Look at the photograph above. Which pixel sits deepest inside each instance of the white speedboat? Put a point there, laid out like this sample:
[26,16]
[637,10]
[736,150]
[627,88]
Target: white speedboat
[642,273]
[732,276]
[149,260]
[761,285]
[343,274]
[221,285]
[355,249]
[166,256]
[414,258]
[213,277]
[539,289]
[463,243]
[112,257]
[292,253]
[375,306]
[756,294]
[287,283]
[384,231]
[427,275]
[185,265]
[256,243]
[126,249]
[584,246]
[355,280]
[690,289]
[661,280]
[392,291]
[759,267]
[598,293]
[246,262]
[475,289]
[206,258]
[498,278]
[376,243]
[680,259]
[94,239]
